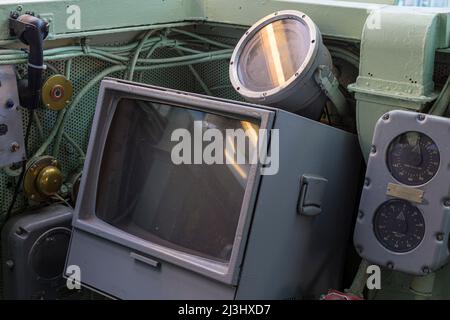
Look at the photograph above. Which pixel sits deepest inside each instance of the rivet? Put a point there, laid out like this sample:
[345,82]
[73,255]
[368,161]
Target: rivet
[9,103]
[14,147]
[10,264]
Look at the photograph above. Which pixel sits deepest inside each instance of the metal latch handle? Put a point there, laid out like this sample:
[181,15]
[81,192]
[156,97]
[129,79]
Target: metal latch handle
[312,190]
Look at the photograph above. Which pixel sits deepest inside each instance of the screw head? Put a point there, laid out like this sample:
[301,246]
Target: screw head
[14,14]
[447,203]
[386,116]
[3,129]
[426,270]
[10,264]
[15,147]
[367,182]
[421,117]
[9,103]
[440,237]
[373,149]
[390,265]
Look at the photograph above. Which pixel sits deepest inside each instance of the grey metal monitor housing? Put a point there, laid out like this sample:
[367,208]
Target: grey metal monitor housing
[433,252]
[278,252]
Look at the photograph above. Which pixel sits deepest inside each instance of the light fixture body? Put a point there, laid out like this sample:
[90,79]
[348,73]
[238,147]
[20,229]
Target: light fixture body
[298,47]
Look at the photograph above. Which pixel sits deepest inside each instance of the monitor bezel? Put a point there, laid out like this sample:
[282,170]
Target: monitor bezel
[111,91]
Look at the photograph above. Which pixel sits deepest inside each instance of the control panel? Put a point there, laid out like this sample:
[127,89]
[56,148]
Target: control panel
[403,221]
[11,132]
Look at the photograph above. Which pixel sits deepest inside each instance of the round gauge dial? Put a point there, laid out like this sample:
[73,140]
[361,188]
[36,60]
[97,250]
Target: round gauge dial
[413,158]
[399,226]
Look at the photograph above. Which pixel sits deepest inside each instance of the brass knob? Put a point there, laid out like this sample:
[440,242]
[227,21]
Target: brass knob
[49,180]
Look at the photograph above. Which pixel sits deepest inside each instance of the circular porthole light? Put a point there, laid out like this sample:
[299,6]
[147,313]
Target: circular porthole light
[276,60]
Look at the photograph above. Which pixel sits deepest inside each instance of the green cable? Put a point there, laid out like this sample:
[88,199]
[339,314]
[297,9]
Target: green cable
[52,68]
[138,52]
[196,36]
[113,69]
[440,106]
[72,52]
[37,121]
[184,63]
[51,136]
[184,58]
[197,77]
[75,145]
[77,99]
[55,130]
[152,49]
[68,68]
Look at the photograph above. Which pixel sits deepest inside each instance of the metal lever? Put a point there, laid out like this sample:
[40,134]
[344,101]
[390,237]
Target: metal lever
[312,190]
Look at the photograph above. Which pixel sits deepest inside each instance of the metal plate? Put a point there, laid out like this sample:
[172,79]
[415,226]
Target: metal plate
[11,133]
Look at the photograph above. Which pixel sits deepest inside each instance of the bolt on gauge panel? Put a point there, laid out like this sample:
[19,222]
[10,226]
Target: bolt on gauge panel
[403,219]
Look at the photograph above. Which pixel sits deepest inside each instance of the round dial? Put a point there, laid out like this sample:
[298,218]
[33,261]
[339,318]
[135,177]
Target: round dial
[399,225]
[413,158]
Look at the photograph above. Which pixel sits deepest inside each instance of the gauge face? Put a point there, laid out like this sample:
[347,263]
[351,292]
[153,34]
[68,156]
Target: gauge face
[413,158]
[399,226]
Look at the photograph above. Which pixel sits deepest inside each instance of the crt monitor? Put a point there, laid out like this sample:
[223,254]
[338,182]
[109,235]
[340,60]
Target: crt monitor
[173,205]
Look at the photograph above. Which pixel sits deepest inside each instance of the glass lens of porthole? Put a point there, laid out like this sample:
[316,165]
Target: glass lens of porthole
[274,54]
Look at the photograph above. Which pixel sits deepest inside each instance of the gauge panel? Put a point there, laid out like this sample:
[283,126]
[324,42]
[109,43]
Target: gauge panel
[403,215]
[399,225]
[413,158]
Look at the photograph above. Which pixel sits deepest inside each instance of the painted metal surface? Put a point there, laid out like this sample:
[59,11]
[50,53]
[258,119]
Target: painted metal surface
[397,64]
[82,17]
[12,147]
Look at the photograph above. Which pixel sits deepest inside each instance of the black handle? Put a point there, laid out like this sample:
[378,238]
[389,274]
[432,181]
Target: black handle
[31,31]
